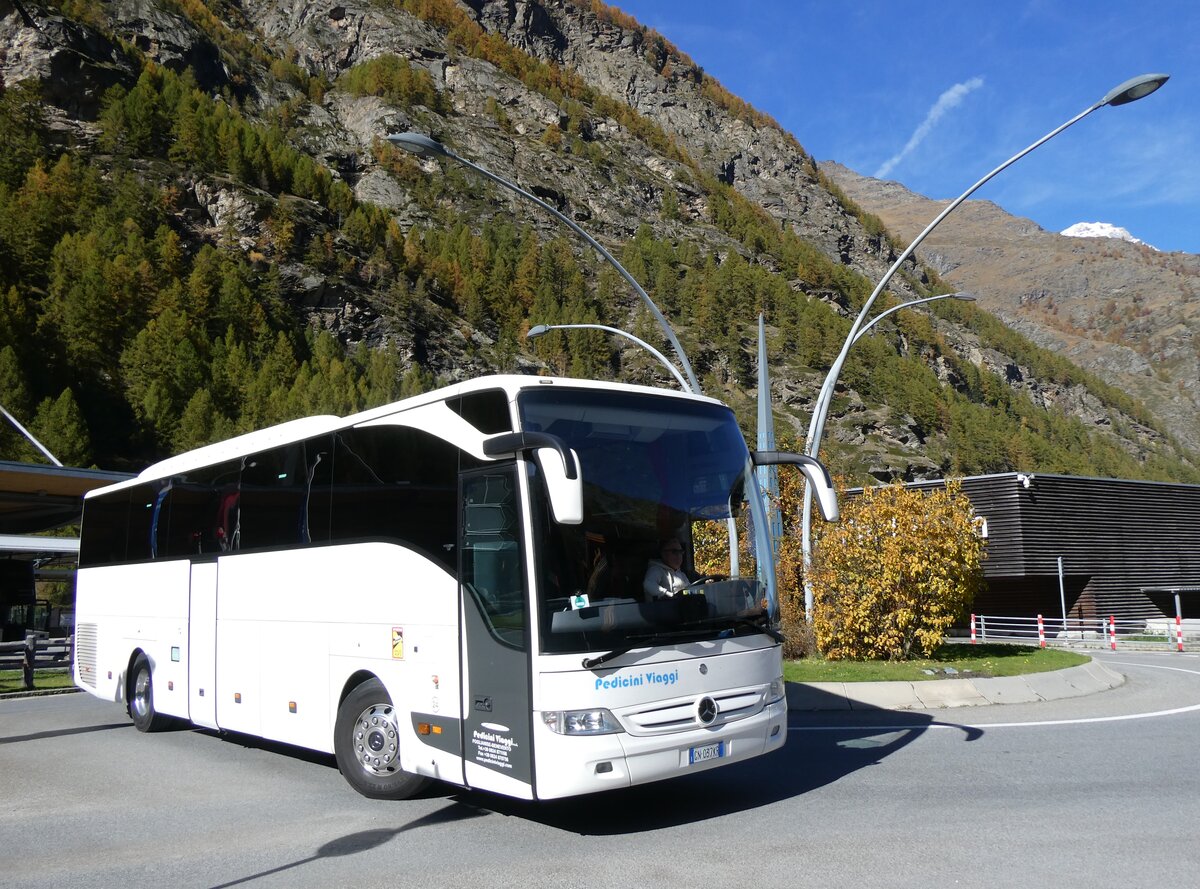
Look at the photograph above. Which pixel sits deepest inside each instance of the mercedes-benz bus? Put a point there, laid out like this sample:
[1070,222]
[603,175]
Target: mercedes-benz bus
[451,587]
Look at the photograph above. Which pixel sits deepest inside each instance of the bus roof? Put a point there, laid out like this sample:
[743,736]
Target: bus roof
[307,427]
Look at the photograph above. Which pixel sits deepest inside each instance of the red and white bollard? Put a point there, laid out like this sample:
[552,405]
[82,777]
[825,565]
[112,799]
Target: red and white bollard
[973,629]
[1112,630]
[1178,633]
[1041,632]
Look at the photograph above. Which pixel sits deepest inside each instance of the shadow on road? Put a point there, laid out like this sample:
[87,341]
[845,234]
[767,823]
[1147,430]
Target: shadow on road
[845,742]
[251,742]
[365,840]
[62,732]
[823,746]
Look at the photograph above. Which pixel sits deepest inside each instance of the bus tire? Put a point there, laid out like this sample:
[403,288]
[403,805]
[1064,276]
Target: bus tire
[366,742]
[141,698]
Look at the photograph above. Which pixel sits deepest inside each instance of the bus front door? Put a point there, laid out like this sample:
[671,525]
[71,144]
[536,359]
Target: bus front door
[497,727]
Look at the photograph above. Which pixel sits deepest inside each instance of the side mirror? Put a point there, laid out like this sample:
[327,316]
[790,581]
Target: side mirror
[566,493]
[816,474]
[559,465]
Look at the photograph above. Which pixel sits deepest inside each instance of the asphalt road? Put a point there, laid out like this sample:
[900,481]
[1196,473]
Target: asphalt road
[1097,791]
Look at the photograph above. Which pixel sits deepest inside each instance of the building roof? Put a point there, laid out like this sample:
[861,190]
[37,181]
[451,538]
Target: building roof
[37,496]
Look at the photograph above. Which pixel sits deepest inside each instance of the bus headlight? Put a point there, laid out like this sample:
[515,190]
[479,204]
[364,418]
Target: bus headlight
[776,690]
[581,722]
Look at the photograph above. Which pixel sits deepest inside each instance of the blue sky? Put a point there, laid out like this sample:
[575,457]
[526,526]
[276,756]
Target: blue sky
[935,94]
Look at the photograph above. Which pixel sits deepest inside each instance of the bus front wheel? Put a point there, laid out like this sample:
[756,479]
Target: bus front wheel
[366,743]
[141,698]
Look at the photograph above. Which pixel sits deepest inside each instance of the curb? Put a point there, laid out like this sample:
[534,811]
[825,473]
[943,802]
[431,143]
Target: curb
[939,694]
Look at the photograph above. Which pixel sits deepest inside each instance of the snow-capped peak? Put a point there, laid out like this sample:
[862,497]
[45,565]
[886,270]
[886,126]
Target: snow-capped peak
[1100,230]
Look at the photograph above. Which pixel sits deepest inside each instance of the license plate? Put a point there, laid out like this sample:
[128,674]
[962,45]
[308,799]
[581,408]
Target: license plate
[705,753]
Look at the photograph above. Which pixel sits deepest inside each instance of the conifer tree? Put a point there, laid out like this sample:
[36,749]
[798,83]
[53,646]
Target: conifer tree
[22,131]
[60,426]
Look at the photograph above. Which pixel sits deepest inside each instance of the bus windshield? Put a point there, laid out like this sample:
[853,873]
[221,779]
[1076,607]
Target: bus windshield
[660,473]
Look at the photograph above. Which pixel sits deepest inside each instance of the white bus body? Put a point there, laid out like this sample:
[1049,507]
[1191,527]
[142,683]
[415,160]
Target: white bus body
[447,587]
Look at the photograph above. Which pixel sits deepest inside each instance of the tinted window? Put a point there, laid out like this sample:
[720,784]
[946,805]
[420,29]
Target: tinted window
[201,512]
[276,496]
[398,483]
[486,411]
[145,508]
[491,553]
[104,530]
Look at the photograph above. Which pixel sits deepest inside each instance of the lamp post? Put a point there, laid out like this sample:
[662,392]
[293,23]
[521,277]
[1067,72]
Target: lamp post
[821,409]
[821,405]
[543,329]
[423,146]
[963,297]
[1130,91]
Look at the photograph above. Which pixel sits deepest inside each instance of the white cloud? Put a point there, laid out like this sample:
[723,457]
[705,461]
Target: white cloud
[947,101]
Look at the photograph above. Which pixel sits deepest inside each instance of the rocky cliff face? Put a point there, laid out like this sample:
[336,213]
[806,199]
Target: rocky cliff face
[655,134]
[1125,311]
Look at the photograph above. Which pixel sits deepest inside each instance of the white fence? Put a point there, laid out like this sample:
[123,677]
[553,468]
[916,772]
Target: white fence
[1163,633]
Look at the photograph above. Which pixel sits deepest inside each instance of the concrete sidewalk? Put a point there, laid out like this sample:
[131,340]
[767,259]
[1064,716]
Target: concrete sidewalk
[944,693]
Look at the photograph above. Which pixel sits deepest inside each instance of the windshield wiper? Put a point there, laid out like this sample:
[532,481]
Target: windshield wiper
[590,663]
[762,625]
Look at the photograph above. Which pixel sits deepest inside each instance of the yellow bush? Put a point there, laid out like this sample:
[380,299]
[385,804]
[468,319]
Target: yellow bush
[895,573]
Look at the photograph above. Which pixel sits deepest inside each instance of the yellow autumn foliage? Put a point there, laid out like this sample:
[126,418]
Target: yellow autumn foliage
[895,573]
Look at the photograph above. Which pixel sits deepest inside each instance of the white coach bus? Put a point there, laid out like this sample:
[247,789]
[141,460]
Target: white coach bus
[450,587]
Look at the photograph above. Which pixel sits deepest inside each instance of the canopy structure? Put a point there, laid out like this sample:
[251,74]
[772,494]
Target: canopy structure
[36,497]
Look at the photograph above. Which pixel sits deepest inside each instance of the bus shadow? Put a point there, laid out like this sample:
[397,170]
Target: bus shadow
[253,742]
[363,841]
[822,748]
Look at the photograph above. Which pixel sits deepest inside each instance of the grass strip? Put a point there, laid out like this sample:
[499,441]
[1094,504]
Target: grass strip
[43,680]
[969,662]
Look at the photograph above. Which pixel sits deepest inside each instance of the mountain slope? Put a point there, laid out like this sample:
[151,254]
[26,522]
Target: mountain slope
[212,181]
[1126,312]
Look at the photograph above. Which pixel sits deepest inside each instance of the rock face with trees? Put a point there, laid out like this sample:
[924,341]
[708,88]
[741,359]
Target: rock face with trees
[203,231]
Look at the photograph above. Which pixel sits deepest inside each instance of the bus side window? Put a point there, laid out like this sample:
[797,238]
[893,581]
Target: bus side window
[182,517]
[396,483]
[105,529]
[487,411]
[144,507]
[276,502]
[315,508]
[194,518]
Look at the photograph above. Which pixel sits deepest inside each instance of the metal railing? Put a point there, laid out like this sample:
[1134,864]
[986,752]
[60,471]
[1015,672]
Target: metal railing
[1160,633]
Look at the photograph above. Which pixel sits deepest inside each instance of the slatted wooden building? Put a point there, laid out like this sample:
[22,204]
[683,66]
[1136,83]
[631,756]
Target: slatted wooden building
[1115,536]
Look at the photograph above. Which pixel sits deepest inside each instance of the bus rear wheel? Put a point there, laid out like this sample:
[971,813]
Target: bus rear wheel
[366,742]
[141,698]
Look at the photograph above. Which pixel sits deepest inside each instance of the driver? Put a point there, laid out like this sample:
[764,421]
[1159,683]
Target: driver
[664,575]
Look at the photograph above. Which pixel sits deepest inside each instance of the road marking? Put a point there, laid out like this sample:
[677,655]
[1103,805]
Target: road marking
[1175,711]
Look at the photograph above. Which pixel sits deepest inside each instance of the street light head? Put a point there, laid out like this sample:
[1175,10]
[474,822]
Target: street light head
[1133,89]
[536,331]
[418,144]
[964,297]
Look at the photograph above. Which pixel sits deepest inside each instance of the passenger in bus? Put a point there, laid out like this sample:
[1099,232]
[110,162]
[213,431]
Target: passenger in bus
[664,575]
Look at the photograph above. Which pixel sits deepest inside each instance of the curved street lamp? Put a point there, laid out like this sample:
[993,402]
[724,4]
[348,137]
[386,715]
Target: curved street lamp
[1130,91]
[543,329]
[423,146]
[963,297]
